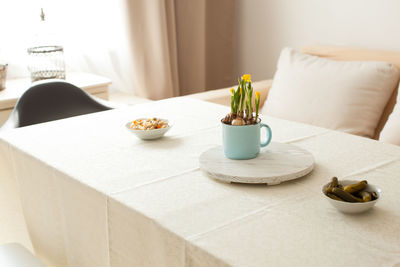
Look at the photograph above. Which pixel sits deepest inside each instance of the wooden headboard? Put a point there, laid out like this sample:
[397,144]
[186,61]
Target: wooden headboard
[341,53]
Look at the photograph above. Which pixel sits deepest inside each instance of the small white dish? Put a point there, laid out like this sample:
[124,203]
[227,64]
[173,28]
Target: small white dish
[348,207]
[149,134]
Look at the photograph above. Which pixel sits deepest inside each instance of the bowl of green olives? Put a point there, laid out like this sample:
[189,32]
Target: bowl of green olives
[350,196]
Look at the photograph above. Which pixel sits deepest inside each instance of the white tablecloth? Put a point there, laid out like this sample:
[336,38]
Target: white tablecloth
[95,195]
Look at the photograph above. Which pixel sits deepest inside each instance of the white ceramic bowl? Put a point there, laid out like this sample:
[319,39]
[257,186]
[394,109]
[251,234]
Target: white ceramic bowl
[348,207]
[149,134]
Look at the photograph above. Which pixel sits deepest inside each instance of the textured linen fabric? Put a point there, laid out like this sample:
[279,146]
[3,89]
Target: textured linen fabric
[391,131]
[345,96]
[342,53]
[95,195]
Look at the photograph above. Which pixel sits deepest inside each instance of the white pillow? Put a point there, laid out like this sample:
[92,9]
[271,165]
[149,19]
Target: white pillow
[391,131]
[347,96]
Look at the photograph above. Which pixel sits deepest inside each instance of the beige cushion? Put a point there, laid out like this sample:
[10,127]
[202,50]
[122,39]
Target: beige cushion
[391,131]
[345,96]
[342,53]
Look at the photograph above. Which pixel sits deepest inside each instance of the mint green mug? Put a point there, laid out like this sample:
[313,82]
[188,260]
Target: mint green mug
[243,142]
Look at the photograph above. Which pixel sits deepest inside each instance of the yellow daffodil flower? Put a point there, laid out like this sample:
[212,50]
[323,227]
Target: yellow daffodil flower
[246,77]
[257,94]
[232,90]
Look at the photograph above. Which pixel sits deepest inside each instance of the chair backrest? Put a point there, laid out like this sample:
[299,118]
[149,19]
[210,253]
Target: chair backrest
[341,53]
[50,101]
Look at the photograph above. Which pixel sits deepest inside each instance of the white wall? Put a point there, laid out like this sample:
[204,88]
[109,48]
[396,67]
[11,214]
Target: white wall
[264,27]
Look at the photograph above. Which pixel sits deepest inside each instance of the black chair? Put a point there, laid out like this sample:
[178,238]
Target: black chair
[50,101]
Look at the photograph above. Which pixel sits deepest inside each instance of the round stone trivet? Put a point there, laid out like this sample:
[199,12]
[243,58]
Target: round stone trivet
[275,164]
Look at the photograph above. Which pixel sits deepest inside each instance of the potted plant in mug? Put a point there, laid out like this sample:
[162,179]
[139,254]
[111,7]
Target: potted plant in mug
[241,127]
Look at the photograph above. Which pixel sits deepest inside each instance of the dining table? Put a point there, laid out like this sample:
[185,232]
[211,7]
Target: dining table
[93,194]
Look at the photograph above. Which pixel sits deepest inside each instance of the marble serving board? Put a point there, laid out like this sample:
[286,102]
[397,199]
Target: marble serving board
[275,164]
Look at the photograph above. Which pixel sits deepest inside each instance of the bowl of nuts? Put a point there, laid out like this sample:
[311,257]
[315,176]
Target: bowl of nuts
[149,128]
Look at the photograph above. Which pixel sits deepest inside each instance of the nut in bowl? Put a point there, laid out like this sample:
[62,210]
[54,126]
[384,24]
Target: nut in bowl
[149,128]
[350,196]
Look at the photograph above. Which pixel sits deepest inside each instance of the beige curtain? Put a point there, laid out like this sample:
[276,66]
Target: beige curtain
[181,47]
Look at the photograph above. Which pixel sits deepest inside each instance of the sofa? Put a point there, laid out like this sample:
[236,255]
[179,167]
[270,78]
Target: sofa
[336,53]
